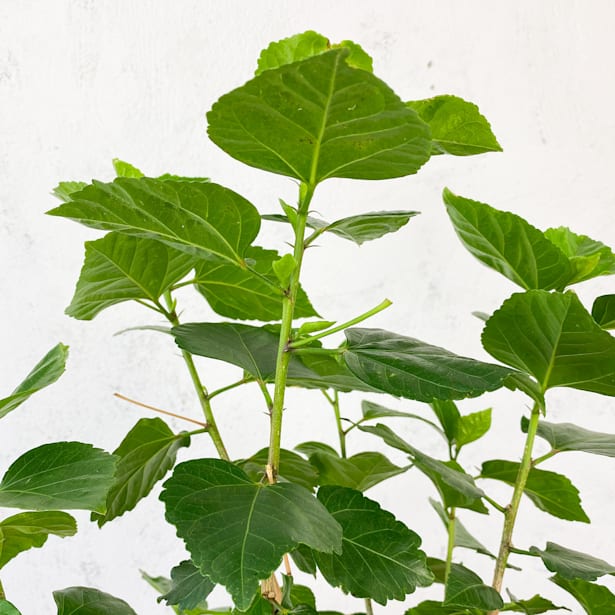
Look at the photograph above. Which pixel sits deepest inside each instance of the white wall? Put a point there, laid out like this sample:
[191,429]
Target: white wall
[82,82]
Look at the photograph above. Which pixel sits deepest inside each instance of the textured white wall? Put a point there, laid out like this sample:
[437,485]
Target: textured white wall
[82,82]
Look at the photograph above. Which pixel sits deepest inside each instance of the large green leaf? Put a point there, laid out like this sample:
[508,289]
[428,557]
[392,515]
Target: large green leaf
[457,126]
[145,455]
[202,219]
[218,510]
[571,437]
[603,311]
[320,118]
[31,529]
[189,588]
[466,588]
[552,337]
[549,491]
[406,367]
[61,475]
[242,293]
[380,557]
[507,243]
[120,267]
[45,372]
[570,564]
[89,601]
[595,599]
[433,607]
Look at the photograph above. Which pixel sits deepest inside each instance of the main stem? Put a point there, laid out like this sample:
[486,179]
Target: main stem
[511,511]
[288,308]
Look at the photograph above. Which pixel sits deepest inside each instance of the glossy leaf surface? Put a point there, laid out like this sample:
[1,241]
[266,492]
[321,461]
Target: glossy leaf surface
[457,126]
[570,564]
[61,475]
[236,530]
[595,599]
[380,557]
[553,338]
[603,311]
[189,588]
[145,455]
[201,219]
[31,529]
[466,588]
[320,118]
[89,601]
[44,373]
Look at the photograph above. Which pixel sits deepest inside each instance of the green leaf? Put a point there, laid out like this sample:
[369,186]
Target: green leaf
[61,475]
[448,415]
[457,126]
[120,268]
[313,326]
[292,49]
[202,219]
[320,118]
[301,594]
[65,190]
[471,427]
[569,437]
[589,258]
[380,559]
[125,169]
[283,268]
[45,372]
[217,509]
[89,601]
[603,311]
[189,587]
[145,455]
[552,337]
[406,367]
[31,529]
[507,243]
[549,491]
[534,606]
[360,472]
[595,599]
[304,559]
[432,607]
[6,608]
[465,588]
[571,564]
[160,584]
[309,448]
[292,468]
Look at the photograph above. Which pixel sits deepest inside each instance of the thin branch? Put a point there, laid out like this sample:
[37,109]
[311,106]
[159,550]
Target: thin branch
[159,410]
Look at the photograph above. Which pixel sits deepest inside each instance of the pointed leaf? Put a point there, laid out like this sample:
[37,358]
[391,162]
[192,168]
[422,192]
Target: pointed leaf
[433,607]
[552,337]
[457,126]
[549,491]
[61,475]
[448,415]
[595,599]
[64,190]
[603,311]
[89,601]
[472,426]
[507,243]
[45,372]
[189,587]
[292,49]
[320,118]
[534,606]
[217,509]
[292,469]
[31,529]
[120,267]
[309,448]
[380,557]
[570,564]
[283,268]
[465,588]
[145,455]
[406,367]
[125,169]
[201,219]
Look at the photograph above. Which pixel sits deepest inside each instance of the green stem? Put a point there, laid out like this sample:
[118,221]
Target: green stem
[308,340]
[288,308]
[493,503]
[369,609]
[522,552]
[450,528]
[229,387]
[544,457]
[335,404]
[513,508]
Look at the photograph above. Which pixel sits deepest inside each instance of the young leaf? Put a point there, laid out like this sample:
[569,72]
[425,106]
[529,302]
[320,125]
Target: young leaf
[552,337]
[202,219]
[125,169]
[217,509]
[570,564]
[89,601]
[549,491]
[331,121]
[448,415]
[65,190]
[570,437]
[292,49]
[507,243]
[534,606]
[283,268]
[603,311]
[465,588]
[380,556]
[406,367]
[120,267]
[472,426]
[457,126]
[595,599]
[45,372]
[61,475]
[189,587]
[31,529]
[145,455]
